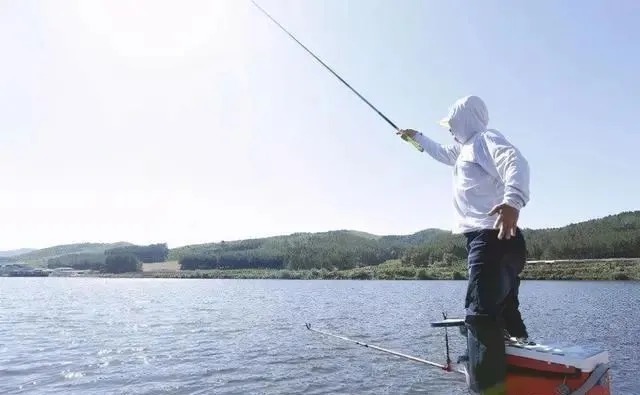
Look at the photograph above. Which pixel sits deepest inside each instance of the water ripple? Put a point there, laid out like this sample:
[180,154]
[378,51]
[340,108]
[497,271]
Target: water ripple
[152,336]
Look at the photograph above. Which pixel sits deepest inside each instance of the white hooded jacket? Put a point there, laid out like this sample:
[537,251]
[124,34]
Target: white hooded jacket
[488,170]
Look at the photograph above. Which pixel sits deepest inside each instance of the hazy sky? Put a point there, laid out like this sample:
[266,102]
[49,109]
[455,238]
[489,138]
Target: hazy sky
[197,121]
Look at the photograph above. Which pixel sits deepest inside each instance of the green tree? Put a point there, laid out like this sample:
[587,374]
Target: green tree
[122,264]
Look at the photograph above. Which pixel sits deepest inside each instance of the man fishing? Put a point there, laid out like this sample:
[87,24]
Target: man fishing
[491,186]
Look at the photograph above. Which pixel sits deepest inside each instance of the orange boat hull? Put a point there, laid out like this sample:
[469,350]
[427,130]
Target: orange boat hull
[528,385]
[527,377]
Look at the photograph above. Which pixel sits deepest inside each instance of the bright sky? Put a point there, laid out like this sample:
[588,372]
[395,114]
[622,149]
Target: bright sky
[198,121]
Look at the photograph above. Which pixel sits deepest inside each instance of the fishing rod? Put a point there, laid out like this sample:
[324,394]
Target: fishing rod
[446,367]
[406,138]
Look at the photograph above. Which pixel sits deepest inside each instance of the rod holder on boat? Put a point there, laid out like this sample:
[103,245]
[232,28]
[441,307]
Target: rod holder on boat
[446,323]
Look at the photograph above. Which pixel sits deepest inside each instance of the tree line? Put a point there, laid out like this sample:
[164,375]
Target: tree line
[335,250]
[122,263]
[120,259]
[615,236]
[147,254]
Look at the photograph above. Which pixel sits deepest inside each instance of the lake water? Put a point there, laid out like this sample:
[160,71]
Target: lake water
[157,336]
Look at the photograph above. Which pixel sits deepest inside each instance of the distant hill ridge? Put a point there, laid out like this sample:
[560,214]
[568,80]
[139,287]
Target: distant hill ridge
[10,253]
[613,236]
[39,257]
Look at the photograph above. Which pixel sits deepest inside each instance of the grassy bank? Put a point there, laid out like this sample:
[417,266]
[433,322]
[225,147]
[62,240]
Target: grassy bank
[614,269]
[390,270]
[610,269]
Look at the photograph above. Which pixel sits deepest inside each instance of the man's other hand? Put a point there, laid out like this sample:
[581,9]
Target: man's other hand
[507,220]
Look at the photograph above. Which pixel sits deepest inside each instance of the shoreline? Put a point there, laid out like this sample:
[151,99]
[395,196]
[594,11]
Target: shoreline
[562,270]
[204,275]
[612,269]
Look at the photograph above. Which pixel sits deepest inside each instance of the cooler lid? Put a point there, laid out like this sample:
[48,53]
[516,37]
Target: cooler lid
[584,357]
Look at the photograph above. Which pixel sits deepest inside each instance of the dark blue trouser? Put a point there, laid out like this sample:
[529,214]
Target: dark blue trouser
[492,304]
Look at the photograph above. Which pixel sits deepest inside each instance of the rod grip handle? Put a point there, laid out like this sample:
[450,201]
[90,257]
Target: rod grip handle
[413,142]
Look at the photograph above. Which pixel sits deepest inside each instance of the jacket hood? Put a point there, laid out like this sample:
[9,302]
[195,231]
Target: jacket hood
[467,116]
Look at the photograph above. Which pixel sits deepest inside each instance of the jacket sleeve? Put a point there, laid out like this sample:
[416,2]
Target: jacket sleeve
[505,162]
[446,154]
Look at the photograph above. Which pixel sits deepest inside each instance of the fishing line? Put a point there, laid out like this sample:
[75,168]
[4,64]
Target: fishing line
[406,138]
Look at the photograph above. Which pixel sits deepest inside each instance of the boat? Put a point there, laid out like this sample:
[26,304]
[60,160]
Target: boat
[554,369]
[557,369]
[532,369]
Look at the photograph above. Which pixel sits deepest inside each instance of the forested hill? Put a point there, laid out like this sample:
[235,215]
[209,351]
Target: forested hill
[614,236]
[10,253]
[93,256]
[39,257]
[339,249]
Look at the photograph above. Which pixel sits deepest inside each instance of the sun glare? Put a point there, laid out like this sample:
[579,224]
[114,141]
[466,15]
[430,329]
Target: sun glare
[153,28]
